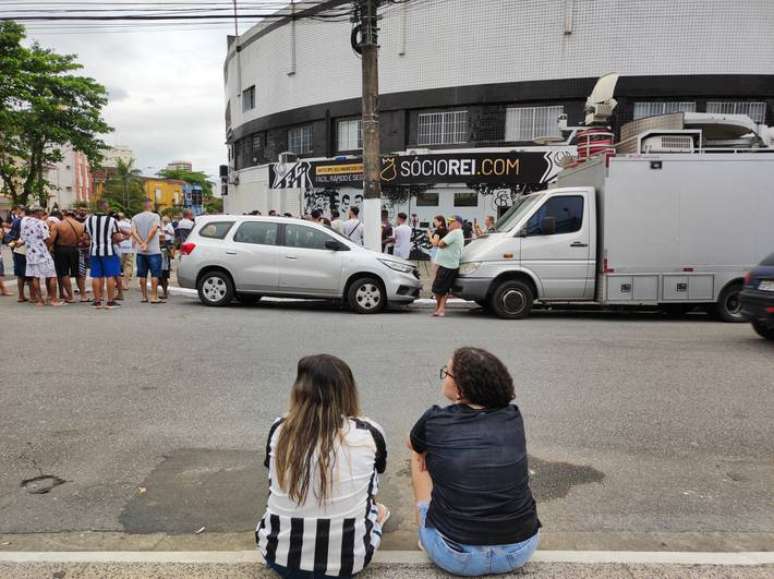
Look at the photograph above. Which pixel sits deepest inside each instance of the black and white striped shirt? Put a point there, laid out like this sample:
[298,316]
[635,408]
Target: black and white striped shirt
[337,538]
[101,228]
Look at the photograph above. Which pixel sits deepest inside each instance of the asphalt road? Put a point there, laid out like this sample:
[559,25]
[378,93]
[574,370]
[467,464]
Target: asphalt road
[148,423]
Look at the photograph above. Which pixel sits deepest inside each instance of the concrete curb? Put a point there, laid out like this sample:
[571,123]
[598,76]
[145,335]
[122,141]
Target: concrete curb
[392,557]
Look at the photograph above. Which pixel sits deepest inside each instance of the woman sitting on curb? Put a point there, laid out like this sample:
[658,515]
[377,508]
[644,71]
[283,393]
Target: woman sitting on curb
[475,510]
[321,518]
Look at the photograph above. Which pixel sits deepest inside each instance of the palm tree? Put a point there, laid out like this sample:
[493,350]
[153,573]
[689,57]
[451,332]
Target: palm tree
[124,190]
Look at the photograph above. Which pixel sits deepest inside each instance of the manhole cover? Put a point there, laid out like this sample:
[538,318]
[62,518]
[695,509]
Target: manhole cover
[41,485]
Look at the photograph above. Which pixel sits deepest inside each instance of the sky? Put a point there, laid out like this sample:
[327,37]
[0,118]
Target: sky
[165,86]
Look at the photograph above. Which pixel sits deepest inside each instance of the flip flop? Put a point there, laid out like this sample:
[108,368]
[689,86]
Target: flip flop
[143,301]
[57,304]
[22,301]
[156,302]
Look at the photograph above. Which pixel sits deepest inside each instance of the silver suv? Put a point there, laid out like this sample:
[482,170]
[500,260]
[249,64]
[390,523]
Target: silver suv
[246,257]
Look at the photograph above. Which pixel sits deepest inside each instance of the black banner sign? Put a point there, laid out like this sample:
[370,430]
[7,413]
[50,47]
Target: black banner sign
[485,168]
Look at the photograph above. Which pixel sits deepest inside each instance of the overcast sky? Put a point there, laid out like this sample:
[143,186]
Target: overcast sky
[166,89]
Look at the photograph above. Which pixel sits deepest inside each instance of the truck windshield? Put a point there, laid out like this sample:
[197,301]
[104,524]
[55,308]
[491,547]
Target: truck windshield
[516,212]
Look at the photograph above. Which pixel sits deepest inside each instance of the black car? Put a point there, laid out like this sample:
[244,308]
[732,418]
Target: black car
[757,298]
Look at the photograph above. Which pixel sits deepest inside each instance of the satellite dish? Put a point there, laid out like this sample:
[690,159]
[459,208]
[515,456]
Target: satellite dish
[601,104]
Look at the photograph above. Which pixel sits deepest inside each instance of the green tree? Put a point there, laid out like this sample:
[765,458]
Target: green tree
[124,190]
[43,106]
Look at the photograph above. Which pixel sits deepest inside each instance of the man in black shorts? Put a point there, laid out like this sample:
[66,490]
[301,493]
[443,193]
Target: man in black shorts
[448,260]
[66,235]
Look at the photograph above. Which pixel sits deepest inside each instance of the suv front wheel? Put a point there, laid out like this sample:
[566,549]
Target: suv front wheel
[366,296]
[215,289]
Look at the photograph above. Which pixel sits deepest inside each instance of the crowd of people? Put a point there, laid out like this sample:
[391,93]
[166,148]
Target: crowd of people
[473,504]
[53,248]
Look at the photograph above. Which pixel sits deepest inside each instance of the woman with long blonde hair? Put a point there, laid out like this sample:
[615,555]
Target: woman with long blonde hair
[322,519]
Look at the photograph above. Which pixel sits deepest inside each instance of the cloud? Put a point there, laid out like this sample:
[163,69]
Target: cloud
[166,91]
[116,93]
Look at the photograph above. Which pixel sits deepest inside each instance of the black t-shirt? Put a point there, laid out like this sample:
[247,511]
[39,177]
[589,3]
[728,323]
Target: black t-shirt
[478,462]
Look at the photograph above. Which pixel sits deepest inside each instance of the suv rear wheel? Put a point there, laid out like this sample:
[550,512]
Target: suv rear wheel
[763,330]
[215,289]
[512,300]
[729,308]
[366,296]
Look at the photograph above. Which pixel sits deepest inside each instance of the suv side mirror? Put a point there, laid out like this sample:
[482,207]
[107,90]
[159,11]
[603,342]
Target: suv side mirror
[548,225]
[522,232]
[333,245]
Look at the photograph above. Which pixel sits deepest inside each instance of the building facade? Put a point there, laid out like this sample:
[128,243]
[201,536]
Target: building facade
[165,193]
[180,166]
[459,78]
[70,180]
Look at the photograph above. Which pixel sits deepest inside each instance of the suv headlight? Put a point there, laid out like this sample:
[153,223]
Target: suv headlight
[469,267]
[397,266]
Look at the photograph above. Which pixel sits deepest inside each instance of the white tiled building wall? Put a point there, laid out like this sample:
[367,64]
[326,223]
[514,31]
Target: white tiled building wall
[449,43]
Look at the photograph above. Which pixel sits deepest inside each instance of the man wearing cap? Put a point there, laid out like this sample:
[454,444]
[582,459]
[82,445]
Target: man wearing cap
[40,264]
[448,261]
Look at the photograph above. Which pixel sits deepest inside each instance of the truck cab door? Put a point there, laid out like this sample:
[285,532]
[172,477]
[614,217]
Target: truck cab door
[557,246]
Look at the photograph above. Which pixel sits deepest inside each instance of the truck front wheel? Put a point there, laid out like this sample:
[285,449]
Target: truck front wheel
[512,300]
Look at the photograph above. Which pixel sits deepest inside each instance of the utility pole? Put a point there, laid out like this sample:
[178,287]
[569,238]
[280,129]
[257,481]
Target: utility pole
[372,164]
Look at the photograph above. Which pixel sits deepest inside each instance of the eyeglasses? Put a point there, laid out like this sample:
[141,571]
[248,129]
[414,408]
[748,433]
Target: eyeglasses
[445,372]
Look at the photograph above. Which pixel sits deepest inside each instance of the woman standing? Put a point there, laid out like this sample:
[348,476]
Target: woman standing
[40,264]
[475,510]
[435,235]
[321,518]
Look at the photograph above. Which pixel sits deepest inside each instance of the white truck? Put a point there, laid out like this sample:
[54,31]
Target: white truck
[674,230]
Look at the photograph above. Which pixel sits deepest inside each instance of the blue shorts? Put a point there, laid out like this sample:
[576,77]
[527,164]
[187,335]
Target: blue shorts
[148,262]
[19,265]
[472,560]
[105,266]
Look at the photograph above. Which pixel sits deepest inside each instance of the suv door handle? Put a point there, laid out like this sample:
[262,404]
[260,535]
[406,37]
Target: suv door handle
[290,257]
[578,244]
[231,252]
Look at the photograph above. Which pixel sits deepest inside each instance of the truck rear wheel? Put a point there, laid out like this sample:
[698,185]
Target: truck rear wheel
[512,300]
[729,308]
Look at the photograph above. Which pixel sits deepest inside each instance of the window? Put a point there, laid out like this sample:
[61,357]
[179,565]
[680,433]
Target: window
[566,210]
[300,140]
[652,109]
[528,123]
[248,99]
[258,232]
[446,128]
[306,237]
[755,110]
[349,134]
[466,199]
[216,229]
[427,199]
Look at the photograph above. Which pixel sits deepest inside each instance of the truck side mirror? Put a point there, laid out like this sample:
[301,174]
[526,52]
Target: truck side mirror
[548,225]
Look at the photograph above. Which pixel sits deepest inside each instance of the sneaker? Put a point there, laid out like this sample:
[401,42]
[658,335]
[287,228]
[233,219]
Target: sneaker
[111,305]
[96,304]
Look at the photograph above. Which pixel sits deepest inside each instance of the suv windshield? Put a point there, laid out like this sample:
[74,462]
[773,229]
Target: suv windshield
[515,213]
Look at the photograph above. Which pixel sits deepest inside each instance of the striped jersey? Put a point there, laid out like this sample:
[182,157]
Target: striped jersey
[339,537]
[101,228]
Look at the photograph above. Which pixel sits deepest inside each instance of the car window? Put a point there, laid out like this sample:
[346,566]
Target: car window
[567,210]
[216,229]
[769,260]
[303,236]
[258,232]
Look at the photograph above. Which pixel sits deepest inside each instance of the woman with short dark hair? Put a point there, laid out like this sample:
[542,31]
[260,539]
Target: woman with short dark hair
[322,519]
[475,510]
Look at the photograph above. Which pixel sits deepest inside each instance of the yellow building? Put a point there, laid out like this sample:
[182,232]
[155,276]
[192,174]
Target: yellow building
[165,193]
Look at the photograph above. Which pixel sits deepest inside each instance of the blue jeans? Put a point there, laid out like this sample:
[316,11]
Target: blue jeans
[473,560]
[286,573]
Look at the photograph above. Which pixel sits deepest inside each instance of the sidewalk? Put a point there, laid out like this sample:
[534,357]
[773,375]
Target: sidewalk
[392,565]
